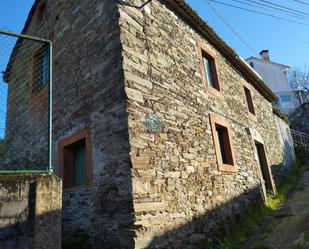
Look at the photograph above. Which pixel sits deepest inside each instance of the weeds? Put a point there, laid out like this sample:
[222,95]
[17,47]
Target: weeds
[257,214]
[262,247]
[283,215]
[300,246]
[306,236]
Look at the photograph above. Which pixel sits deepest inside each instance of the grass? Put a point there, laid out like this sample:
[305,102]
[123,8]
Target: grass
[306,236]
[270,228]
[248,224]
[283,215]
[287,185]
[257,213]
[262,247]
[300,246]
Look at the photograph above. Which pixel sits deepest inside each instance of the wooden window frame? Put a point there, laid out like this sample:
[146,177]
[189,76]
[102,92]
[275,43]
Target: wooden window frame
[218,120]
[252,115]
[65,153]
[202,51]
[38,95]
[41,12]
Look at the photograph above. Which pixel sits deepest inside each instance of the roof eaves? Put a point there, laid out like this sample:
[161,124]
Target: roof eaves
[269,62]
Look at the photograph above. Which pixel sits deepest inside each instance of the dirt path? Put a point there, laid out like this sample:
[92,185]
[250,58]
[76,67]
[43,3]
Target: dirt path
[288,228]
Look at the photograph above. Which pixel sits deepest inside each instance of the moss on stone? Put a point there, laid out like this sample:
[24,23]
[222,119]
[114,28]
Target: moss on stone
[281,115]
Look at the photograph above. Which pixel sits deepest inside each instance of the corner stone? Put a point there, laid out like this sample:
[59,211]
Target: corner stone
[134,95]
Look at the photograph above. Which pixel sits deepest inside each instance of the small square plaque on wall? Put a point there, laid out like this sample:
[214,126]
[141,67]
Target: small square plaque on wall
[154,123]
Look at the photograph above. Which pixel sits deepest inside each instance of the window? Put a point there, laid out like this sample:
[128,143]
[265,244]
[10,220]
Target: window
[75,159]
[223,143]
[208,68]
[285,98]
[249,100]
[41,12]
[252,64]
[208,63]
[41,68]
[79,163]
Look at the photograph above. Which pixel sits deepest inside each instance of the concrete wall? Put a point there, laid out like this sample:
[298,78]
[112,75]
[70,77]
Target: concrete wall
[286,141]
[30,212]
[180,196]
[274,75]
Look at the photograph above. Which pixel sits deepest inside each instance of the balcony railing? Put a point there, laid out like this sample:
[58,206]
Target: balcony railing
[300,138]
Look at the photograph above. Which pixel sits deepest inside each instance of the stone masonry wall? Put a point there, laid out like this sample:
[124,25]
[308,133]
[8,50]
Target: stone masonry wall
[179,194]
[27,112]
[89,94]
[113,66]
[30,212]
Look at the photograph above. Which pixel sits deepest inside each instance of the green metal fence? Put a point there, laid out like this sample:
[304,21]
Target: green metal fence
[25,104]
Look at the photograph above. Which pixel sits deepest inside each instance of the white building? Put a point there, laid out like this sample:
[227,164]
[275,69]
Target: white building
[275,77]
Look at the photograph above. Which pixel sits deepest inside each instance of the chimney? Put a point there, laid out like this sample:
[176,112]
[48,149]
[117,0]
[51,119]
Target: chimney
[265,55]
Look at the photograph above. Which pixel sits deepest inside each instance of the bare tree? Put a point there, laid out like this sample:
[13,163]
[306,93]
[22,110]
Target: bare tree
[299,78]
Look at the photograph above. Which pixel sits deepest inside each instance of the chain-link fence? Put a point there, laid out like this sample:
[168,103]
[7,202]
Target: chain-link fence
[25,103]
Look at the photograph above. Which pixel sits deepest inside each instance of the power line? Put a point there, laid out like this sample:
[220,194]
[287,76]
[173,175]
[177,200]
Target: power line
[230,27]
[298,1]
[289,30]
[284,7]
[258,12]
[273,8]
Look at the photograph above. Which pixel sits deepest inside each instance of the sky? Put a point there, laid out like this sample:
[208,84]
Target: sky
[14,14]
[12,18]
[287,42]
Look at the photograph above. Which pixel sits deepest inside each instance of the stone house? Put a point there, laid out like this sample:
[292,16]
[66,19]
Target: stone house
[162,133]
